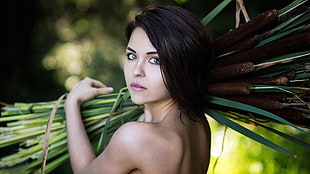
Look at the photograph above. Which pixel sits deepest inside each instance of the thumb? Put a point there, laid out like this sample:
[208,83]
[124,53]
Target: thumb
[105,90]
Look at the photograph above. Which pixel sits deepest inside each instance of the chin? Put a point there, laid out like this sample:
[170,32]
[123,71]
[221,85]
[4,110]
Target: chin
[137,100]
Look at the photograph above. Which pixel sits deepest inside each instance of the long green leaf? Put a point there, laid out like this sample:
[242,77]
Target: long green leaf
[244,107]
[210,16]
[293,139]
[290,89]
[302,75]
[303,18]
[222,119]
[275,37]
[291,6]
[121,96]
[284,58]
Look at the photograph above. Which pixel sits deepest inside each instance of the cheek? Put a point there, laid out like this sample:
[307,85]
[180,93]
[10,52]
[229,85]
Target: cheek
[159,83]
[126,72]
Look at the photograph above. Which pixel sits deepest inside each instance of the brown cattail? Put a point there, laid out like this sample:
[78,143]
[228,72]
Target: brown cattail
[283,46]
[241,45]
[280,80]
[229,89]
[291,114]
[260,23]
[305,109]
[280,96]
[290,74]
[263,103]
[231,71]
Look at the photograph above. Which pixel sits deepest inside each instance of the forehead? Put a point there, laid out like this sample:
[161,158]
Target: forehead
[139,41]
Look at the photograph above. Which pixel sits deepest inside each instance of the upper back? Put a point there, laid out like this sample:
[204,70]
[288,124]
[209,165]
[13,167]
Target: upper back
[167,149]
[151,148]
[199,143]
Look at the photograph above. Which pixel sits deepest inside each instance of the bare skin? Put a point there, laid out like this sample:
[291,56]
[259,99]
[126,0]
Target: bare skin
[165,142]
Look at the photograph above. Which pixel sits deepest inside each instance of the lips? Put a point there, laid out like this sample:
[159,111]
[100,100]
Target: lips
[137,87]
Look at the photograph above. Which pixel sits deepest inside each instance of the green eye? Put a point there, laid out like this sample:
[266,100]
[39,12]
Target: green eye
[131,56]
[154,60]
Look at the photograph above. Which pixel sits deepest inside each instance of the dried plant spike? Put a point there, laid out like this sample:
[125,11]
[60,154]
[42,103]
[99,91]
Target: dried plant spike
[281,97]
[276,81]
[263,103]
[294,43]
[248,43]
[291,114]
[260,23]
[229,89]
[231,71]
[290,74]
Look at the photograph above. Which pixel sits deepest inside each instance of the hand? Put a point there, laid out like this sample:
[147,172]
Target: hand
[76,133]
[87,89]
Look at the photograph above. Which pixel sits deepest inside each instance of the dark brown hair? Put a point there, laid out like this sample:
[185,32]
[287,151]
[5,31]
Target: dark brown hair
[185,51]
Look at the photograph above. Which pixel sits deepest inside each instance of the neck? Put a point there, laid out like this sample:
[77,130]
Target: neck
[157,112]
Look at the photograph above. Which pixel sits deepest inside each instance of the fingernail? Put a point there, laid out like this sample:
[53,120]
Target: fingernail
[109,89]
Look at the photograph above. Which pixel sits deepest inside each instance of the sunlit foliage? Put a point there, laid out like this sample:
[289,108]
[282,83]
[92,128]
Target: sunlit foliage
[242,155]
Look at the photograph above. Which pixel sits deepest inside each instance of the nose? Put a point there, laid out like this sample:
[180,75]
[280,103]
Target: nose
[138,70]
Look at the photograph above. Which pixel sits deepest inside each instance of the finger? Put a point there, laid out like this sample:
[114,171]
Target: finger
[96,83]
[104,90]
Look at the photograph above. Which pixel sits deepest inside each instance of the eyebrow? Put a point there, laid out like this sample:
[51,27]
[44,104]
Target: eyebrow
[150,52]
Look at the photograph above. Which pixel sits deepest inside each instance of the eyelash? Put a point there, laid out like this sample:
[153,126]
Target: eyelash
[129,56]
[152,60]
[156,60]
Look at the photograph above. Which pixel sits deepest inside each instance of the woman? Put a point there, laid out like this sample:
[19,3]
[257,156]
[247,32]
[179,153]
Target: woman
[168,55]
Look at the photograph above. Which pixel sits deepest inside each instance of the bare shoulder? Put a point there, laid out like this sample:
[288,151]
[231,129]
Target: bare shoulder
[139,135]
[131,135]
[151,149]
[123,153]
[137,146]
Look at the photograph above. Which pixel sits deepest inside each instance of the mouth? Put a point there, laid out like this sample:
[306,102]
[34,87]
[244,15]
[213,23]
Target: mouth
[137,87]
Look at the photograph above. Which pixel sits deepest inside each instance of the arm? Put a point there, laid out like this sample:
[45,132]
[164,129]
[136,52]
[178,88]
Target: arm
[80,149]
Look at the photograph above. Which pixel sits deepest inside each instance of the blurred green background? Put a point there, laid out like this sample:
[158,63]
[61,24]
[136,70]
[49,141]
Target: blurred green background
[52,44]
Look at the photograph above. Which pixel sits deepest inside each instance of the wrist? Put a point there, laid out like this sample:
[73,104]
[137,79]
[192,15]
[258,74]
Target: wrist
[72,101]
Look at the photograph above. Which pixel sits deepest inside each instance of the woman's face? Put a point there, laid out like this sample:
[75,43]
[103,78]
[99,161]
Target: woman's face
[142,70]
